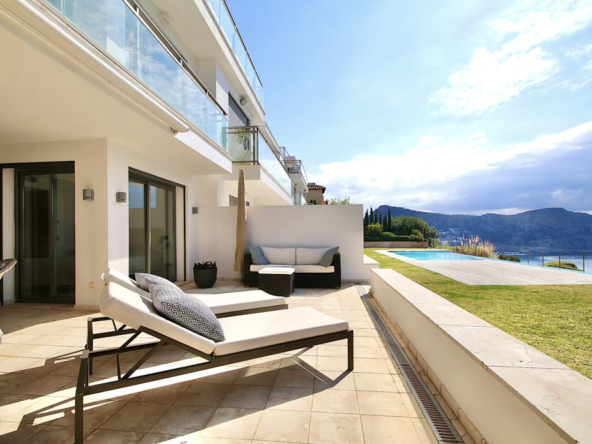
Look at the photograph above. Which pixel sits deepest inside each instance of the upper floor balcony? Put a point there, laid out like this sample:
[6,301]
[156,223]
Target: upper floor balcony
[232,35]
[121,30]
[248,144]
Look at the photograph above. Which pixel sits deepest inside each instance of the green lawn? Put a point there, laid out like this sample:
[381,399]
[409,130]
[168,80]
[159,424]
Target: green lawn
[555,319]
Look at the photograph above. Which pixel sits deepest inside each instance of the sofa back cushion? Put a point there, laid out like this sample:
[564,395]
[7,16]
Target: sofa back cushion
[309,256]
[280,256]
[327,258]
[257,256]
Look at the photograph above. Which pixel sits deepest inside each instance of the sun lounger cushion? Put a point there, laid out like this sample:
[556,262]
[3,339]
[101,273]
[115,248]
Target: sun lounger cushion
[240,300]
[298,268]
[112,275]
[130,308]
[275,327]
[186,311]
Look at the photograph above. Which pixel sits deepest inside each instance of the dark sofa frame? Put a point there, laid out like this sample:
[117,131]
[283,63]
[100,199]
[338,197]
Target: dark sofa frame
[302,280]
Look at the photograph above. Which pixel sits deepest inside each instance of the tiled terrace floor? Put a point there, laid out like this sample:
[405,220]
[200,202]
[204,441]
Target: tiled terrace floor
[300,397]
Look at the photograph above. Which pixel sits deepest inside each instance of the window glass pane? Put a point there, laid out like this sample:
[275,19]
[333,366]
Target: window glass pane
[162,233]
[137,229]
[64,269]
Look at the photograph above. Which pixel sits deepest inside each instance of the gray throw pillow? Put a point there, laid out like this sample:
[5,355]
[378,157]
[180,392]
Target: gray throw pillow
[185,310]
[257,256]
[328,257]
[145,279]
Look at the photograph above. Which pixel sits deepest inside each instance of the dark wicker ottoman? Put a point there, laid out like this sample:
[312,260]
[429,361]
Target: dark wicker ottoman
[278,281]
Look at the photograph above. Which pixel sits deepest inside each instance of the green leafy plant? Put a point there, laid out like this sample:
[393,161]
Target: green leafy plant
[346,200]
[374,230]
[566,265]
[509,258]
[205,265]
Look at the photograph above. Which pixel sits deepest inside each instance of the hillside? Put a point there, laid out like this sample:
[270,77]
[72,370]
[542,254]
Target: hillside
[550,228]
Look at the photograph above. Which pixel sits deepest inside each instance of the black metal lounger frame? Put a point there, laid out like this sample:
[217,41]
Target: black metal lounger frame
[122,331]
[83,387]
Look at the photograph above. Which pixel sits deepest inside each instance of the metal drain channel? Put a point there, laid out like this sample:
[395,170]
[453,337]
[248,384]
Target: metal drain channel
[437,419]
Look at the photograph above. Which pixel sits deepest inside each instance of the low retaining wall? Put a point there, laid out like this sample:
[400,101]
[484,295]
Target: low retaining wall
[501,389]
[410,244]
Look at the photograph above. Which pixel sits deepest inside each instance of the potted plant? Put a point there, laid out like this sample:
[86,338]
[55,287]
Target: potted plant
[204,274]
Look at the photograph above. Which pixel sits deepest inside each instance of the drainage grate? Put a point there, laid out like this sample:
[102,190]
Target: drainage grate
[439,422]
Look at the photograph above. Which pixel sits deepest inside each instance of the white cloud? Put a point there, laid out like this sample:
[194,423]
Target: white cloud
[439,172]
[495,76]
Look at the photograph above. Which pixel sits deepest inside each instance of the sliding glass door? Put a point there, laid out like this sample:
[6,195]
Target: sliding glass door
[46,233]
[152,234]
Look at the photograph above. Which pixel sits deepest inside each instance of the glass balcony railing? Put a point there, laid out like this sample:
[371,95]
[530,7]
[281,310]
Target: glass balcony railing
[299,199]
[120,31]
[295,167]
[246,144]
[234,39]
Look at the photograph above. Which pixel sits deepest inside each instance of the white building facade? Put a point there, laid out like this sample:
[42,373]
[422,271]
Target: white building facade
[123,125]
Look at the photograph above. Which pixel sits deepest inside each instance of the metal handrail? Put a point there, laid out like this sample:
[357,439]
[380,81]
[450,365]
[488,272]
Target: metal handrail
[256,130]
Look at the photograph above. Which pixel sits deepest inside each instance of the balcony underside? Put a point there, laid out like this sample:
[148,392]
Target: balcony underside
[49,95]
[259,184]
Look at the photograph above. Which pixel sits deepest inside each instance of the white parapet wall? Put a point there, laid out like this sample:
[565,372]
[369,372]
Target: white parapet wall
[503,390]
[292,226]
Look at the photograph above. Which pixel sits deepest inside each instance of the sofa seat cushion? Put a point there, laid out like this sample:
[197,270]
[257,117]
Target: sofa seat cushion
[240,300]
[297,268]
[282,256]
[275,327]
[131,309]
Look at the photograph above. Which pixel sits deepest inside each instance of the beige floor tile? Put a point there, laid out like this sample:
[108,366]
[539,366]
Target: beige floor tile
[9,382]
[233,423]
[136,417]
[426,436]
[114,436]
[334,380]
[335,401]
[246,397]
[54,435]
[223,375]
[401,384]
[381,403]
[366,341]
[167,394]
[95,413]
[199,393]
[290,398]
[44,385]
[413,409]
[16,433]
[256,376]
[183,420]
[290,377]
[283,426]
[206,440]
[375,382]
[308,362]
[331,363]
[333,350]
[363,365]
[366,332]
[370,353]
[389,430]
[332,428]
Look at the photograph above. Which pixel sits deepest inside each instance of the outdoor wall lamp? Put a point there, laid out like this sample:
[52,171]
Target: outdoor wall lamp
[88,194]
[194,210]
[121,197]
[243,100]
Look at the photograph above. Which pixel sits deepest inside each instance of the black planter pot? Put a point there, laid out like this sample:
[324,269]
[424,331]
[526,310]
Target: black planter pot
[205,277]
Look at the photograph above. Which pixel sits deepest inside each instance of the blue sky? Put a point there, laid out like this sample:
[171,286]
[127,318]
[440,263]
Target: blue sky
[450,106]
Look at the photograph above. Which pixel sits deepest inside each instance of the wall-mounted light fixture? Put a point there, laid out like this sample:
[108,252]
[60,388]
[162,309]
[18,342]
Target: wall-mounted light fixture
[243,100]
[88,194]
[121,197]
[194,210]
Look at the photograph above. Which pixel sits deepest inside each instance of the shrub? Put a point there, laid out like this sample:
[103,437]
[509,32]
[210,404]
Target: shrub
[417,233]
[475,247]
[566,265]
[388,236]
[509,258]
[371,239]
[374,230]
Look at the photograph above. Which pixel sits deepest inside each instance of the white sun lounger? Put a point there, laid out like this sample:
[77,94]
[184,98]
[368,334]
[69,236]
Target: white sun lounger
[247,337]
[222,304]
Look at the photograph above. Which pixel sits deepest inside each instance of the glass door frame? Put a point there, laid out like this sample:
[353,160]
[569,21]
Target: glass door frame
[20,170]
[149,180]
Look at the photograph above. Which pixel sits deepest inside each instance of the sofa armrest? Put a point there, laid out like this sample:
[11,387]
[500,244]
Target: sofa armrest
[337,274]
[247,269]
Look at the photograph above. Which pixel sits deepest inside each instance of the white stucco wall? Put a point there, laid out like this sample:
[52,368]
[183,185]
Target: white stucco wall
[292,226]
[8,232]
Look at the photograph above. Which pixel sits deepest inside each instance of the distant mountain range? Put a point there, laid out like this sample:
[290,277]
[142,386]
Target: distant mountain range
[550,228]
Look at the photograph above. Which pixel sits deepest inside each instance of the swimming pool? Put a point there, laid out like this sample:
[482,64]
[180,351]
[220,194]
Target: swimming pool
[435,255]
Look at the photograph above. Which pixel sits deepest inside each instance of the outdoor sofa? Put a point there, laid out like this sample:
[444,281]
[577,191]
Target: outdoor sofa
[308,273]
[246,337]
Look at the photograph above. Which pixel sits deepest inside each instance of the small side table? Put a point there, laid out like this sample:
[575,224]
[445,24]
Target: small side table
[278,281]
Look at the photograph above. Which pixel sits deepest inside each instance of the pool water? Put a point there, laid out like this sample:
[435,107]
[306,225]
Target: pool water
[436,256]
